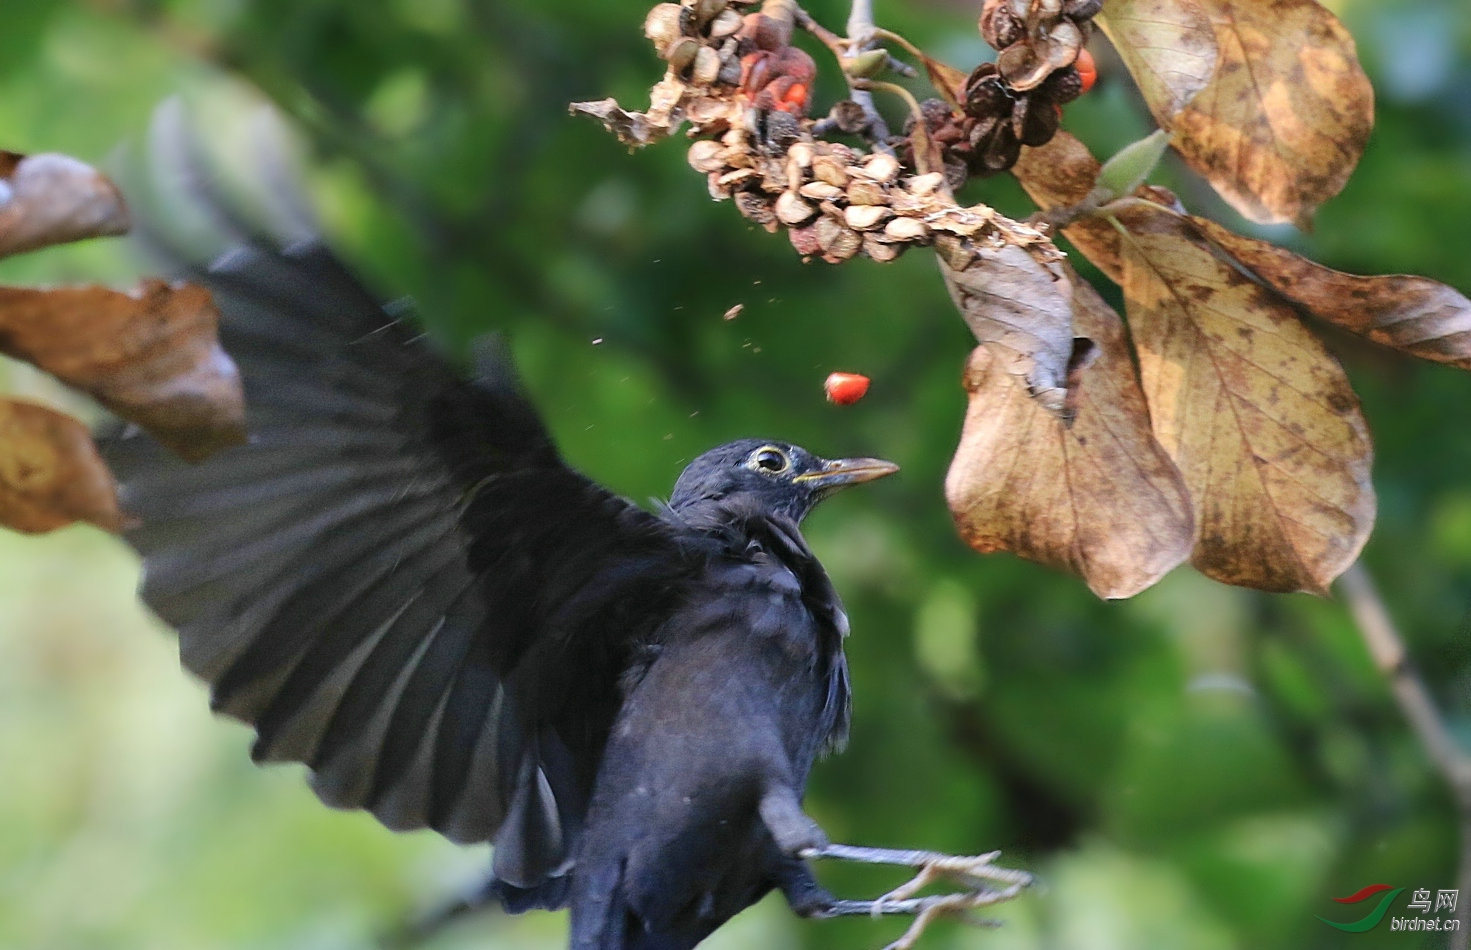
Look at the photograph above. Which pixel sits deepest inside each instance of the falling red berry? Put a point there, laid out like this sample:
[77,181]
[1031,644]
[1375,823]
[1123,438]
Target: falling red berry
[844,389]
[1087,68]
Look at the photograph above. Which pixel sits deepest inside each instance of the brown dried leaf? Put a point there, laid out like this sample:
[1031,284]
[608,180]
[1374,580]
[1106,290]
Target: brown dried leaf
[948,81]
[1168,46]
[1099,498]
[1255,412]
[152,357]
[1061,174]
[929,157]
[637,129]
[1413,314]
[1283,123]
[50,472]
[1019,305]
[52,199]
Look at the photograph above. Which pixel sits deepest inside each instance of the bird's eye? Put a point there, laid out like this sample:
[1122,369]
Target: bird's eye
[771,460]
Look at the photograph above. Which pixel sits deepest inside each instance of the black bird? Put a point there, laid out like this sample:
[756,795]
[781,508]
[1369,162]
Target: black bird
[399,583]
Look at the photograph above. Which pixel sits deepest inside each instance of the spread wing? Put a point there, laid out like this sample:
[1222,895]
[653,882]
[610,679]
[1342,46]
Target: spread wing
[397,581]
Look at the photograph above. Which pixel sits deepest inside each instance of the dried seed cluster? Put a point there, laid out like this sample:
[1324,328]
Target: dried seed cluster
[1018,99]
[1036,38]
[697,40]
[835,201]
[838,202]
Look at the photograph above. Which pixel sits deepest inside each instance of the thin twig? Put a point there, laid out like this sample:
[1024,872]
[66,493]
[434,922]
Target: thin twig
[1387,648]
[860,32]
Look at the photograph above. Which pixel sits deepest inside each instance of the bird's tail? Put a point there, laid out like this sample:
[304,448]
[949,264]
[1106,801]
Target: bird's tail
[603,918]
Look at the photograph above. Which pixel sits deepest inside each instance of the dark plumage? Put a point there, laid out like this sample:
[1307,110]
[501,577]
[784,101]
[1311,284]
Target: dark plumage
[400,583]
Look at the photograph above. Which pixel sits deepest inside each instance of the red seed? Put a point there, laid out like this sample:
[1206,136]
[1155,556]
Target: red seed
[1087,68]
[844,389]
[795,99]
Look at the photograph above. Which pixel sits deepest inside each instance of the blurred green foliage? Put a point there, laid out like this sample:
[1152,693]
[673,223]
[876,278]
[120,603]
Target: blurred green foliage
[1200,767]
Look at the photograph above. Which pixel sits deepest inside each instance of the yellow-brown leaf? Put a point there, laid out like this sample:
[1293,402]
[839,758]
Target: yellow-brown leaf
[948,81]
[53,199]
[1019,305]
[1255,412]
[152,357]
[1283,123]
[1413,314]
[1061,174]
[1168,46]
[50,473]
[1099,498]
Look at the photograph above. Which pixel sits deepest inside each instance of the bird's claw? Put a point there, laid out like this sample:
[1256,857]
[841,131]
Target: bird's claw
[982,881]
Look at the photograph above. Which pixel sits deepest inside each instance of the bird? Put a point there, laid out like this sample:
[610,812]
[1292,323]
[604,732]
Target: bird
[398,582]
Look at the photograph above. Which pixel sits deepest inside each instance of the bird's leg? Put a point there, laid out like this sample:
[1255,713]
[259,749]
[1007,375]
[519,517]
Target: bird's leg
[984,883]
[792,828]
[973,871]
[800,838]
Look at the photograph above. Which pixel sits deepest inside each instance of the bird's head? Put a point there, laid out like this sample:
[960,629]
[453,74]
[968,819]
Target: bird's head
[781,477]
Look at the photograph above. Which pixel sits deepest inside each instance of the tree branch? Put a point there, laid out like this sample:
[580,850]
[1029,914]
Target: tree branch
[860,33]
[1387,648]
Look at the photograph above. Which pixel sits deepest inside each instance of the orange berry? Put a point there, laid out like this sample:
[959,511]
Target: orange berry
[1087,68]
[844,389]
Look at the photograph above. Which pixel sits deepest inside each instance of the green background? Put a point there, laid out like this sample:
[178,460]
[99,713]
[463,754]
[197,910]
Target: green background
[1200,767]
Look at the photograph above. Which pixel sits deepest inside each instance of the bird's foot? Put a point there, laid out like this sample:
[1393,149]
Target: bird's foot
[984,884]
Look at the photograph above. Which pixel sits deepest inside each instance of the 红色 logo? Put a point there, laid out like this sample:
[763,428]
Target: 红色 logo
[1375,913]
[1375,900]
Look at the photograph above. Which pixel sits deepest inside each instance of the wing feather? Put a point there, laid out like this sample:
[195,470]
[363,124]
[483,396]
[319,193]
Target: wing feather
[397,581]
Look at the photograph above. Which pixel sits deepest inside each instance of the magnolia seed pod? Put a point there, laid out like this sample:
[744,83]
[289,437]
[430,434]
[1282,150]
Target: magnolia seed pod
[1020,67]
[707,66]
[882,167]
[707,10]
[792,210]
[999,27]
[709,111]
[799,159]
[774,174]
[730,70]
[737,176]
[663,24]
[830,169]
[881,251]
[682,52]
[838,243]
[1064,41]
[1063,86]
[805,240]
[756,207]
[726,23]
[866,217]
[820,191]
[704,156]
[861,192]
[735,156]
[906,229]
[922,186]
[766,32]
